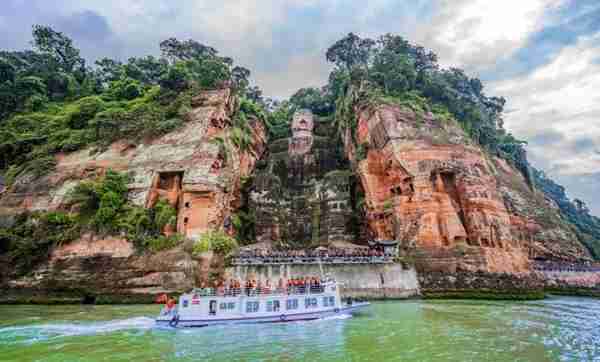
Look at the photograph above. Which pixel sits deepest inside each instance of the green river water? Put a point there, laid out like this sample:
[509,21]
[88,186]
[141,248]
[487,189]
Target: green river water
[555,329]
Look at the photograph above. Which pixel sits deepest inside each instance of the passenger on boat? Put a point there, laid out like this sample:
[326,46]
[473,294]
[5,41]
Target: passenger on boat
[162,299]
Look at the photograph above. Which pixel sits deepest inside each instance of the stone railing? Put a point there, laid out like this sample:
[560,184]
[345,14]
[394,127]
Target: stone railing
[258,260]
[565,267]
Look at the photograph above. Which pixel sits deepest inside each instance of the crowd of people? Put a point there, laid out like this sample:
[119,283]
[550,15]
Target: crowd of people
[235,287]
[329,255]
[566,267]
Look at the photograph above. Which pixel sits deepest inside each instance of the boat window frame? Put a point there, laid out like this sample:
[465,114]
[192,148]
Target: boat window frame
[291,304]
[211,310]
[311,302]
[226,305]
[273,305]
[255,306]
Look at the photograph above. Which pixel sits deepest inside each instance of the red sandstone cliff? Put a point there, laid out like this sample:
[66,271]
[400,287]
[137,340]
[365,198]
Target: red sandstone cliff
[447,201]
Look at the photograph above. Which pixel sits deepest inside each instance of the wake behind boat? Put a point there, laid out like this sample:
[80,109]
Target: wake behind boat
[299,299]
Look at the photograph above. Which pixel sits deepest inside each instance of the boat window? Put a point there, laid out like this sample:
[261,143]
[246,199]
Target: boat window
[291,304]
[331,301]
[273,306]
[185,303]
[251,307]
[310,303]
[325,301]
[227,306]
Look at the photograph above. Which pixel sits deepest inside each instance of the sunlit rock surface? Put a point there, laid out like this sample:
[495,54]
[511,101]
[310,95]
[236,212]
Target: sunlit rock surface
[446,201]
[183,167]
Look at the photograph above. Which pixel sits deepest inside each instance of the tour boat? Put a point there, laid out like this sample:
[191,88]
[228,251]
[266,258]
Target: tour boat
[205,307]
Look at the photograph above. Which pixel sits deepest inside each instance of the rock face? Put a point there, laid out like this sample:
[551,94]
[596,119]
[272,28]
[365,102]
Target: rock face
[104,271]
[465,219]
[301,196]
[198,177]
[429,187]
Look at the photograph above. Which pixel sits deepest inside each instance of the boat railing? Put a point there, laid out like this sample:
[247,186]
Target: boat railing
[259,291]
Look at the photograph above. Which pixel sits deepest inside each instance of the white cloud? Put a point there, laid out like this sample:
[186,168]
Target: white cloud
[476,34]
[561,96]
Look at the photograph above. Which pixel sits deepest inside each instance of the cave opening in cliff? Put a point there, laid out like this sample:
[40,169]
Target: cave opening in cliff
[88,299]
[166,186]
[170,180]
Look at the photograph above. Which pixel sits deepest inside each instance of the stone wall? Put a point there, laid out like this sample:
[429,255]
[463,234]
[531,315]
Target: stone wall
[481,285]
[570,279]
[375,281]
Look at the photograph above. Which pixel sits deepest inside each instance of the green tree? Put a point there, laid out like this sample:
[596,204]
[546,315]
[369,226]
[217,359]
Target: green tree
[176,50]
[351,51]
[318,101]
[60,47]
[109,70]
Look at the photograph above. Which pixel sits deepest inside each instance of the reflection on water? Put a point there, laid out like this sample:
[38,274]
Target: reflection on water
[558,329]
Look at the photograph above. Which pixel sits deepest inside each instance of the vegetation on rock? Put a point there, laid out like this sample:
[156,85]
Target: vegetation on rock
[576,212]
[104,208]
[391,70]
[215,241]
[51,102]
[29,237]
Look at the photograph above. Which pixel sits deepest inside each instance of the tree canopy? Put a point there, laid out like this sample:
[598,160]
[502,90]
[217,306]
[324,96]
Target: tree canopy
[51,101]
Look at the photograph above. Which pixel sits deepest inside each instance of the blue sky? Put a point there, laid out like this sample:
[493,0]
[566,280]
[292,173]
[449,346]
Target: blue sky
[542,55]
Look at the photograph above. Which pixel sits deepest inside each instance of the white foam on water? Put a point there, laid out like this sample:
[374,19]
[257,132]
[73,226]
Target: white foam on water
[339,316]
[53,330]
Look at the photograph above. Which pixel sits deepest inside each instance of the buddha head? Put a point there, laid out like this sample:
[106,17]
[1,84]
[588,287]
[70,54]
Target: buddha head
[302,123]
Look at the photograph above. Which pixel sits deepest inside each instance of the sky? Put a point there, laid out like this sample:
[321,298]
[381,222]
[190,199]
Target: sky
[543,56]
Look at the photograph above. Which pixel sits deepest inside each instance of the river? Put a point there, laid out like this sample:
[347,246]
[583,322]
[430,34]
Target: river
[555,329]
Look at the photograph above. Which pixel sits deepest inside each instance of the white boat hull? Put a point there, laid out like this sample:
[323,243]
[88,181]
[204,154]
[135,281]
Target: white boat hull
[279,318]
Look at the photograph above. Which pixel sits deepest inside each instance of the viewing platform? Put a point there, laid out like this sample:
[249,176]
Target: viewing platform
[308,260]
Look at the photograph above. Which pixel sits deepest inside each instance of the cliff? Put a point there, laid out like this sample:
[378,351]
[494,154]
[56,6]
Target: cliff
[450,204]
[147,182]
[199,178]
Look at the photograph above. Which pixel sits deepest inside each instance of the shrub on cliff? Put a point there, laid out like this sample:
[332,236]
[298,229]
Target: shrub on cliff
[216,241]
[101,201]
[30,237]
[103,207]
[162,242]
[241,133]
